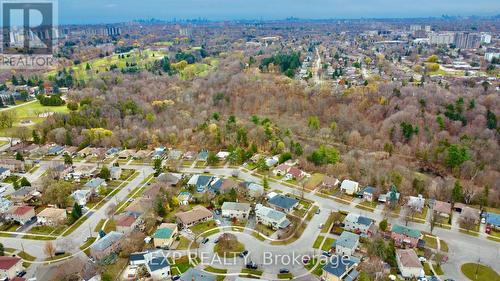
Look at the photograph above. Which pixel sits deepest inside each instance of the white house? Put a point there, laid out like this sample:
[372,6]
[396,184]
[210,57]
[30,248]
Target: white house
[357,223]
[4,173]
[270,217]
[81,196]
[115,172]
[235,210]
[222,155]
[347,244]
[409,264]
[349,187]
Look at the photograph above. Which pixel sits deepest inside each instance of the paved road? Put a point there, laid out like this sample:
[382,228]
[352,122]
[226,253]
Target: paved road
[463,248]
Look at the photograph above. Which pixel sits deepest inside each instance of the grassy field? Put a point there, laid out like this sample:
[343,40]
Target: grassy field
[315,180]
[318,241]
[30,111]
[328,244]
[100,65]
[484,273]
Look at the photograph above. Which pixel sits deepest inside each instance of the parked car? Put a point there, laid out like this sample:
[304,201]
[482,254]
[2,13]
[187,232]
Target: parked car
[243,254]
[59,253]
[422,259]
[318,211]
[205,241]
[252,265]
[306,259]
[326,254]
[21,273]
[284,270]
[218,222]
[176,277]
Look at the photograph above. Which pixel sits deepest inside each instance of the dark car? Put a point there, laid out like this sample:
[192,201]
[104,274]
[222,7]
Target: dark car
[176,277]
[243,254]
[21,273]
[284,270]
[252,265]
[326,254]
[59,253]
[306,259]
[318,211]
[204,241]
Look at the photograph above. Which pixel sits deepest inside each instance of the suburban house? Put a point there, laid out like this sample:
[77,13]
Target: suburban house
[157,265]
[329,182]
[283,203]
[4,173]
[184,197]
[340,269]
[126,222]
[174,154]
[227,185]
[55,150]
[115,172]
[125,154]
[346,244]
[12,164]
[270,217]
[409,264]
[196,215]
[416,203]
[141,154]
[5,204]
[171,179]
[254,189]
[390,195]
[112,152]
[20,214]
[349,187]
[271,161]
[358,224]
[189,155]
[215,185]
[95,183]
[197,275]
[52,216]
[442,209]
[468,212]
[159,152]
[202,155]
[22,195]
[368,193]
[10,267]
[200,182]
[108,244]
[81,196]
[295,173]
[164,235]
[405,236]
[236,210]
[281,170]
[492,221]
[222,155]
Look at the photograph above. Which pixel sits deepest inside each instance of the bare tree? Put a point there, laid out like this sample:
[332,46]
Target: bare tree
[49,249]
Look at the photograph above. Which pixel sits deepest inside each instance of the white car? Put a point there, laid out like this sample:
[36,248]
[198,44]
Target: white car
[217,222]
[422,259]
[189,231]
[3,189]
[483,220]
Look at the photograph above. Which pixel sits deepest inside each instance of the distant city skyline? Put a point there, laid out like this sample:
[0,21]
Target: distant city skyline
[113,11]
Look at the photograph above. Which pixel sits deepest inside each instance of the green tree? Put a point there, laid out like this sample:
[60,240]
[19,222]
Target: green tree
[25,182]
[440,121]
[105,173]
[73,106]
[36,137]
[284,157]
[212,159]
[491,120]
[19,156]
[157,164]
[313,122]
[457,193]
[2,250]
[76,213]
[67,159]
[383,225]
[456,155]
[265,182]
[324,155]
[159,207]
[15,185]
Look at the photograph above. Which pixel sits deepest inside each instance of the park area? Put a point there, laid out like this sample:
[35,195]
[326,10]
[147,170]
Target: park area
[28,114]
[479,272]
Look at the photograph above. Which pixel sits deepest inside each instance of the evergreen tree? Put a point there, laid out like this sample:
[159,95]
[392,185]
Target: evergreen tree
[19,156]
[76,213]
[25,182]
[105,173]
[36,137]
[67,159]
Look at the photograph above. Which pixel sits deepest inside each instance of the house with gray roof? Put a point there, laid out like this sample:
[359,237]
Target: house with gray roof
[283,203]
[95,184]
[340,269]
[200,182]
[197,275]
[108,244]
[5,204]
[270,217]
[347,244]
[358,224]
[236,210]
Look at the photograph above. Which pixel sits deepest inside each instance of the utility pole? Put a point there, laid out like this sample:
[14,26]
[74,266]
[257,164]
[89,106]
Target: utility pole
[477,267]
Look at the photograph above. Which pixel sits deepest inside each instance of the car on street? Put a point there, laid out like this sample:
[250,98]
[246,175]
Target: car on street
[205,241]
[284,270]
[3,189]
[318,211]
[306,259]
[422,259]
[321,226]
[21,273]
[243,254]
[326,254]
[218,222]
[251,265]
[176,277]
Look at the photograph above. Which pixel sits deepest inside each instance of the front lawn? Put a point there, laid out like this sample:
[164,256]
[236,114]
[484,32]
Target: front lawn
[328,244]
[203,226]
[430,241]
[318,241]
[228,246]
[484,273]
[285,276]
[367,206]
[248,271]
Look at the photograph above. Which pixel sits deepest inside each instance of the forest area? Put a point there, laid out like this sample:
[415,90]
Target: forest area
[422,138]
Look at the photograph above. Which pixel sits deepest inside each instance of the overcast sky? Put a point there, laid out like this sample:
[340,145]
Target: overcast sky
[107,11]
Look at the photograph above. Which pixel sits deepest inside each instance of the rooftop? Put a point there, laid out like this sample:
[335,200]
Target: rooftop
[347,239]
[408,258]
[7,262]
[107,241]
[235,206]
[283,202]
[339,267]
[406,231]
